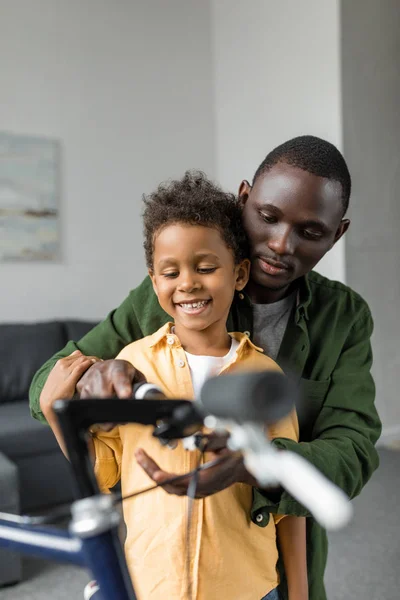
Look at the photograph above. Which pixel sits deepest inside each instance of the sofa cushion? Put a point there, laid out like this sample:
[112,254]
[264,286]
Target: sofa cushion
[75,330]
[20,435]
[23,350]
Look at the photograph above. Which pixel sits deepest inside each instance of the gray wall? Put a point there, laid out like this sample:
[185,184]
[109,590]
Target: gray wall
[127,88]
[371,130]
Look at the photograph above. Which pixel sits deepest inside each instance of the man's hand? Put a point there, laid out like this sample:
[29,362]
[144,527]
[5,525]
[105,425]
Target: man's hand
[109,378]
[210,481]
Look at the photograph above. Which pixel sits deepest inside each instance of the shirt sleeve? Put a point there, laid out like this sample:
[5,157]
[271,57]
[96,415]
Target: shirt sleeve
[108,458]
[287,428]
[105,340]
[346,429]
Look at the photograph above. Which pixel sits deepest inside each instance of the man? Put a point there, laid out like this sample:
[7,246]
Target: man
[318,329]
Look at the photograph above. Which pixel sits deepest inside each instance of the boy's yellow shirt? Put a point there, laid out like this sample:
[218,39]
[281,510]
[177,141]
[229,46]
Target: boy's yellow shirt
[231,557]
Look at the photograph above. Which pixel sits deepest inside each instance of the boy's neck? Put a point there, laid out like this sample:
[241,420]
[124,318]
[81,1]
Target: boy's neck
[213,341]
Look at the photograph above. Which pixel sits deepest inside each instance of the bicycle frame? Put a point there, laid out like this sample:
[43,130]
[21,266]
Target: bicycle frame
[92,541]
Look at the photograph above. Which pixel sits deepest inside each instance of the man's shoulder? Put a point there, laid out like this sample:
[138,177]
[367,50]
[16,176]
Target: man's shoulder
[146,308]
[331,295]
[144,291]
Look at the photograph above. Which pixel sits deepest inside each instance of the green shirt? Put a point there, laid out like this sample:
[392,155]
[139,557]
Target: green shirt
[327,345]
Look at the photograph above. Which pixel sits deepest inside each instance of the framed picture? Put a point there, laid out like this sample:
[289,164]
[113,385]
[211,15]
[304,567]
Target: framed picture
[29,198]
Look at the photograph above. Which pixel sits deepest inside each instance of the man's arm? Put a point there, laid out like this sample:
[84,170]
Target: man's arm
[139,315]
[345,431]
[291,538]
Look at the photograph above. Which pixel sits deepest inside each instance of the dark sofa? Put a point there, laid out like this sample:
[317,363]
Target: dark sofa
[34,474]
[43,472]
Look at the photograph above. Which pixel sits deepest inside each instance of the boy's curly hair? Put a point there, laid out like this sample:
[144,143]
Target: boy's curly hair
[194,200]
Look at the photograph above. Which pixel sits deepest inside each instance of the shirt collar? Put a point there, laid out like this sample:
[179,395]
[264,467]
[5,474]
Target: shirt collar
[304,297]
[160,335]
[166,331]
[244,342]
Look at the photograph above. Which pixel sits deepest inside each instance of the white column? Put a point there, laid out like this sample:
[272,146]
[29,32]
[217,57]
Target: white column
[277,75]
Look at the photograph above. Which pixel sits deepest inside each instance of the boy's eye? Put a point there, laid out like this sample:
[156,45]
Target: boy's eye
[171,274]
[206,270]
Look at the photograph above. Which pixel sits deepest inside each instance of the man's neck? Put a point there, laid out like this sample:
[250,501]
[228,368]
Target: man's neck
[213,341]
[259,294]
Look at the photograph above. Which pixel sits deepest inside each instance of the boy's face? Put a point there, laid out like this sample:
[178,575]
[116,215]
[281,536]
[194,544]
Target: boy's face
[194,275]
[292,218]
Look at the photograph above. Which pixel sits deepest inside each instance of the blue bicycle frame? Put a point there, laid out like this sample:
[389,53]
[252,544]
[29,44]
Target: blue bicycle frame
[92,540]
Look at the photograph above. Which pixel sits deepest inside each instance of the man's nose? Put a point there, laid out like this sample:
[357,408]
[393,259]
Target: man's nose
[281,241]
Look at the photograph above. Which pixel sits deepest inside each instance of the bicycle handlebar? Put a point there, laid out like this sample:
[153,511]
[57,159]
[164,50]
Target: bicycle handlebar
[241,403]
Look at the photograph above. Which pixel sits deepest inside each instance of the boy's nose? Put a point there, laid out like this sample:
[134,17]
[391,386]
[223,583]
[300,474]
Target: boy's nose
[188,284]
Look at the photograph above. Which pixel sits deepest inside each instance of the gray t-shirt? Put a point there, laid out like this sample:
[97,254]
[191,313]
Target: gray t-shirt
[269,324]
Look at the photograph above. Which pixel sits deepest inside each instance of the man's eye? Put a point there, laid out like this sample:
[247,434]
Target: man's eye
[206,270]
[312,235]
[268,218]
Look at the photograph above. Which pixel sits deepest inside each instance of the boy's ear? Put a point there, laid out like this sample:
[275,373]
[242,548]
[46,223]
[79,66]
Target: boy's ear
[242,274]
[153,281]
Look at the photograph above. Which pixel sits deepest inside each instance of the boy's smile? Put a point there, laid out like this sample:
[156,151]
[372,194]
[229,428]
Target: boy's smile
[195,278]
[194,307]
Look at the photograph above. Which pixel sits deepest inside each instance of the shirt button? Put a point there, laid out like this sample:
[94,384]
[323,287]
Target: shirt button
[259,518]
[247,333]
[241,296]
[181,363]
[170,340]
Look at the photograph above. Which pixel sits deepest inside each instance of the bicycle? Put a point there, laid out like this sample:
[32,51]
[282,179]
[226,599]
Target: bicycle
[238,403]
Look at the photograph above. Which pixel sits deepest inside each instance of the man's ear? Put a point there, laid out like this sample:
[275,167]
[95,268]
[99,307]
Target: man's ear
[242,274]
[341,230]
[153,281]
[244,191]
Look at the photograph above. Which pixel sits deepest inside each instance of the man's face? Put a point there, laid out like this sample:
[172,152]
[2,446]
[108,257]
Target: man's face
[292,218]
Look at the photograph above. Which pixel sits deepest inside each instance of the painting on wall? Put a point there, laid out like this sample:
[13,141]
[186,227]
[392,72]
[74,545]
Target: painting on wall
[29,198]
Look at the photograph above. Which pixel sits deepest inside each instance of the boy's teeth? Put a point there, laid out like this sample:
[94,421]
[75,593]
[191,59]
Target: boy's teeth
[195,304]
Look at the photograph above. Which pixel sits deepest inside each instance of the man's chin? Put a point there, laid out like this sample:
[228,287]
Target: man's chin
[269,282]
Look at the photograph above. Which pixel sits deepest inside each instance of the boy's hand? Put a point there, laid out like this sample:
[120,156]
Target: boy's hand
[63,378]
[109,378]
[210,481]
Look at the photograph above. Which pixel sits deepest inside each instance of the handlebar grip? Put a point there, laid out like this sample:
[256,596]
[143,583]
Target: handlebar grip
[260,396]
[327,503]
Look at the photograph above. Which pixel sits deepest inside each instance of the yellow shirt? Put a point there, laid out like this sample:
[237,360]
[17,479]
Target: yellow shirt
[231,557]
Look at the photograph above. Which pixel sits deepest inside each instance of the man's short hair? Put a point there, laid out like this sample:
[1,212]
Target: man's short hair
[194,200]
[314,155]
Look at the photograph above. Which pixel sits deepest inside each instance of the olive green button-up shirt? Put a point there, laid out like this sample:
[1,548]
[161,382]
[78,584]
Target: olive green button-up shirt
[327,346]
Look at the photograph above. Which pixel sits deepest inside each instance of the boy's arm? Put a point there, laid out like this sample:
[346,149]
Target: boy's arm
[105,448]
[61,384]
[291,537]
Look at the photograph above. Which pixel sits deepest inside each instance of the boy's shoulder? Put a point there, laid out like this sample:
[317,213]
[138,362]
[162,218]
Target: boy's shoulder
[251,357]
[145,345]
